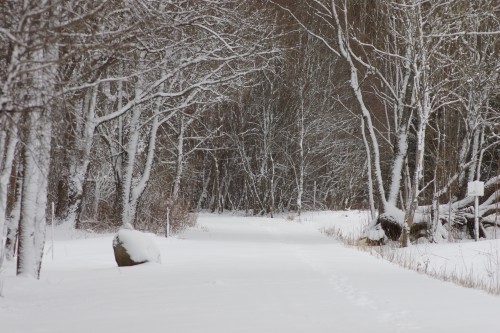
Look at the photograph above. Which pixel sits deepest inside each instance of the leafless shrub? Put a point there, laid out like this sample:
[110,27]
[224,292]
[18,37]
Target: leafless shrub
[336,233]
[152,214]
[181,218]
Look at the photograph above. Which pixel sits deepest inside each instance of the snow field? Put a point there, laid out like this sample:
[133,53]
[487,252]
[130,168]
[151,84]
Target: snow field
[238,274]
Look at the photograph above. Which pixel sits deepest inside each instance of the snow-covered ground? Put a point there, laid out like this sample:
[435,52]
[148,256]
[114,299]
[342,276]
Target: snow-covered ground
[467,262]
[239,274]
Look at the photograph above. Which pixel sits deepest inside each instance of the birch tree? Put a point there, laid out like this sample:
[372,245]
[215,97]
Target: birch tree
[28,89]
[170,72]
[342,42]
[199,61]
[403,62]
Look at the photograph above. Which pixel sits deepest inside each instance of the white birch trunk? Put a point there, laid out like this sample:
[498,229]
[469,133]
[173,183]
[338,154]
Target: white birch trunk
[422,100]
[272,186]
[474,155]
[13,220]
[371,199]
[300,181]
[345,51]
[80,162]
[204,191]
[133,187]
[36,158]
[34,195]
[402,119]
[7,152]
[179,162]
[180,157]
[128,170]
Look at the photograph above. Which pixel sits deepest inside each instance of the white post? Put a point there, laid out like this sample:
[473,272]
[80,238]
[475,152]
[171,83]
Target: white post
[52,227]
[449,217]
[167,227]
[314,196]
[476,217]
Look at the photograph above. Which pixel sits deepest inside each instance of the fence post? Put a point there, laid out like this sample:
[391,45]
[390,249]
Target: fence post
[476,189]
[167,227]
[52,227]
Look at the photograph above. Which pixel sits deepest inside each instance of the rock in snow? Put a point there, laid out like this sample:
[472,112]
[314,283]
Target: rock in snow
[133,247]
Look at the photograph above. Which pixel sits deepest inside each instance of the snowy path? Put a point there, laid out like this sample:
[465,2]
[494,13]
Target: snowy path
[238,275]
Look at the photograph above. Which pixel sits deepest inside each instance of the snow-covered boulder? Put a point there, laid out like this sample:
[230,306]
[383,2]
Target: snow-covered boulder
[373,236]
[133,247]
